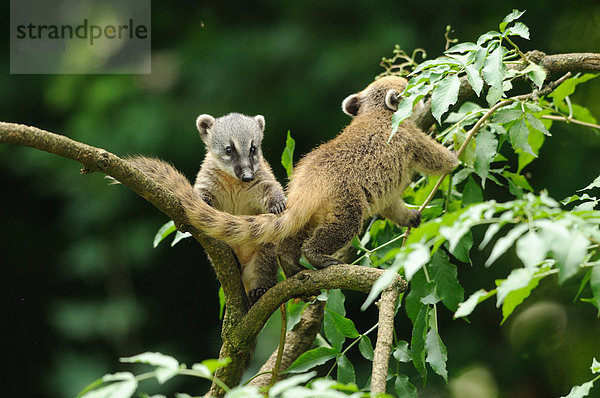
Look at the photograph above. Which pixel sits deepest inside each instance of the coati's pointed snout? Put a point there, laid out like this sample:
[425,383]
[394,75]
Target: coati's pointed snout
[247,176]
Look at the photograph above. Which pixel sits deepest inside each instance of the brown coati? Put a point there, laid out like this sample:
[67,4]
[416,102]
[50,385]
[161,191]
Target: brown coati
[335,187]
[235,178]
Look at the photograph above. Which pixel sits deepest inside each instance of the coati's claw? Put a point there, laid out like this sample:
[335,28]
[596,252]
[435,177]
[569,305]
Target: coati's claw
[277,207]
[255,294]
[415,219]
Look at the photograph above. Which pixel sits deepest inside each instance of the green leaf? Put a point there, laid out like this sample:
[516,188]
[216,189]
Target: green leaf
[537,124]
[404,388]
[594,184]
[595,285]
[515,14]
[472,192]
[486,147]
[518,29]
[418,290]
[437,355]
[494,70]
[487,36]
[287,156]
[213,364]
[444,95]
[402,352]
[518,134]
[335,337]
[336,300]
[345,370]
[489,235]
[536,73]
[123,385]
[416,259]
[531,249]
[518,179]
[417,342]
[595,368]
[166,366]
[474,79]
[535,140]
[295,308]
[365,347]
[311,358]
[167,229]
[507,115]
[505,242]
[180,236]
[567,88]
[380,285]
[569,254]
[283,385]
[344,325]
[445,275]
[462,249]
[513,290]
[462,48]
[580,391]
[466,307]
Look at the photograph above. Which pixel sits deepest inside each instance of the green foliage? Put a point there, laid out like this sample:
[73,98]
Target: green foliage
[287,157]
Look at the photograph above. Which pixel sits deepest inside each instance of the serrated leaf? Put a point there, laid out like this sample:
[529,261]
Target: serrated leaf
[487,36]
[167,229]
[287,156]
[515,14]
[474,79]
[404,388]
[365,347]
[595,368]
[417,342]
[595,285]
[537,124]
[594,184]
[345,370]
[380,285]
[486,147]
[344,325]
[286,384]
[402,352]
[515,288]
[462,249]
[517,136]
[463,47]
[505,242]
[311,358]
[295,308]
[494,70]
[405,109]
[445,275]
[471,193]
[518,179]
[516,297]
[466,307]
[535,140]
[567,88]
[518,29]
[437,355]
[444,95]
[507,115]
[569,254]
[123,385]
[531,249]
[537,74]
[416,259]
[418,290]
[335,337]
[580,391]
[166,366]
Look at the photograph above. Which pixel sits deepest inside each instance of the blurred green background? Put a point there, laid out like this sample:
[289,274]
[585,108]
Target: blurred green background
[82,284]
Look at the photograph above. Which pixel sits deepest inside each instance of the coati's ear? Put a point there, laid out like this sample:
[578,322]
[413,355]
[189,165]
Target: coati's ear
[260,119]
[392,98]
[203,123]
[351,104]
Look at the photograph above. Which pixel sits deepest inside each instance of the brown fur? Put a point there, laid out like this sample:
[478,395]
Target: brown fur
[336,186]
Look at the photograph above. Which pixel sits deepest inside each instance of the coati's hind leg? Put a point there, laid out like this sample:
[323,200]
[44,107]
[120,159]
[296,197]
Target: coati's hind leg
[260,273]
[402,215]
[331,237]
[289,253]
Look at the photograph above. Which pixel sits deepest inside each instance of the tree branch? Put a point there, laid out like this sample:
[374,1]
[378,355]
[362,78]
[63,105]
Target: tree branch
[298,340]
[385,337]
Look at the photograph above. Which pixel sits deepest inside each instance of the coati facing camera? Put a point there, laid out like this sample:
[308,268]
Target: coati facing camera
[335,187]
[235,178]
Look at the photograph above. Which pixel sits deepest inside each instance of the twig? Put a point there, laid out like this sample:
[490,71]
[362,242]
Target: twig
[385,336]
[571,120]
[282,335]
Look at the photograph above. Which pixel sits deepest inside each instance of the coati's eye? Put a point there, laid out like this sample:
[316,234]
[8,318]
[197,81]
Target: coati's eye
[252,150]
[228,150]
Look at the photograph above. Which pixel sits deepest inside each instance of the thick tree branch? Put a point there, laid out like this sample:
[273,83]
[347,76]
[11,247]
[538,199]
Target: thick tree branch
[385,337]
[298,340]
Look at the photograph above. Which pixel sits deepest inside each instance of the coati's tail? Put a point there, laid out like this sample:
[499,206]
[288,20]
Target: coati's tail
[229,228]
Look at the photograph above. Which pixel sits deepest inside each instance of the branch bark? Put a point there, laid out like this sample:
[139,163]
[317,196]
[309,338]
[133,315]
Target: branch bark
[385,337]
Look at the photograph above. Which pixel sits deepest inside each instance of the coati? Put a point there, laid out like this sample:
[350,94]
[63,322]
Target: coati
[335,187]
[235,178]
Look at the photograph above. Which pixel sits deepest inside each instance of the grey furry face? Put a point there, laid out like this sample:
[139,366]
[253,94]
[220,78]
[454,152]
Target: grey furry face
[235,141]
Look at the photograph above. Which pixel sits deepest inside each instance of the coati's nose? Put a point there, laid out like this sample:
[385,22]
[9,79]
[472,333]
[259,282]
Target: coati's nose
[247,176]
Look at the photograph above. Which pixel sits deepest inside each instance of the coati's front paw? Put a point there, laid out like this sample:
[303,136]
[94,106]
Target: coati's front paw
[255,294]
[415,218]
[276,205]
